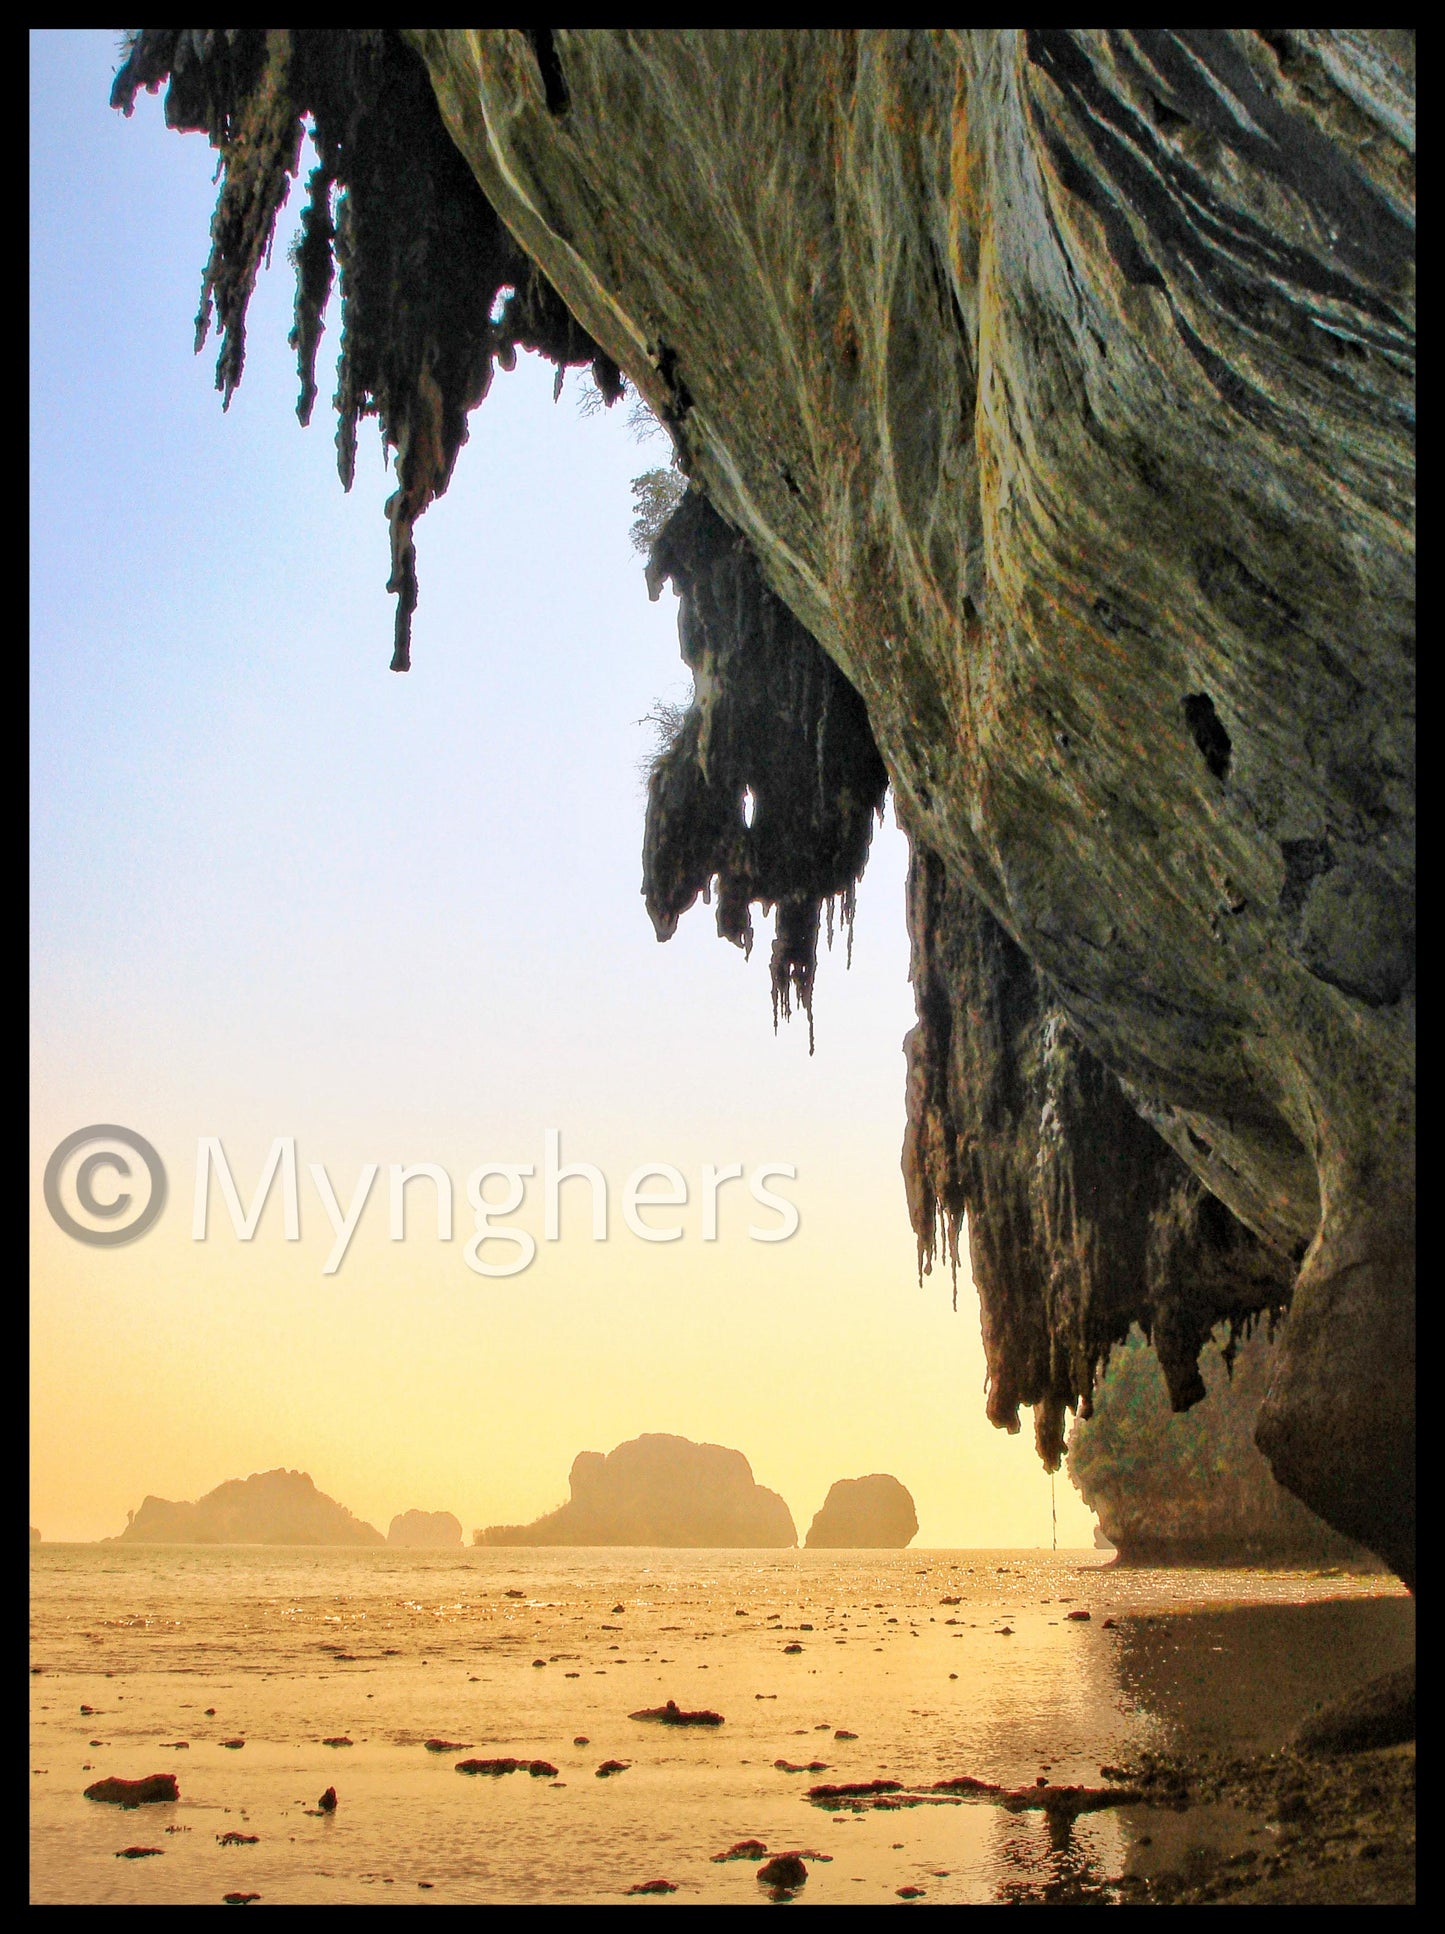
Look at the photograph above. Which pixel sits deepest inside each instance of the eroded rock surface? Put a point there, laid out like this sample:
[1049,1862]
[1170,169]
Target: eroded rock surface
[1061,384]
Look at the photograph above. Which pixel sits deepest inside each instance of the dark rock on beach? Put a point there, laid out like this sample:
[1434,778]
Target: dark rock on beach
[1379,1713]
[673,1715]
[783,1870]
[138,1853]
[150,1791]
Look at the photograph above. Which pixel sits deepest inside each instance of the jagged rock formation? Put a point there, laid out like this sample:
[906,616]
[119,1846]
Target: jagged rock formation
[659,1490]
[1193,1488]
[1061,384]
[425,1530]
[268,1508]
[866,1514]
[770,787]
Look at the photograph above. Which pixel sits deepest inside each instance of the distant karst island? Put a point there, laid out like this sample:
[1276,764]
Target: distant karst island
[425,1531]
[267,1508]
[872,1513]
[34,1535]
[659,1490]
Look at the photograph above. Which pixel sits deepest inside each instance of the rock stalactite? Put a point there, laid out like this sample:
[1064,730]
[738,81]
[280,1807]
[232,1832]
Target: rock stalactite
[1061,384]
[1081,1220]
[769,790]
[434,291]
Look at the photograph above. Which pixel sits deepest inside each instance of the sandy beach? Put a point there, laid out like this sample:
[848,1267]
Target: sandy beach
[912,1668]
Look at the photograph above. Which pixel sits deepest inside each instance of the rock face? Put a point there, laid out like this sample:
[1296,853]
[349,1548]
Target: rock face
[268,1508]
[425,1530]
[1060,383]
[1192,1489]
[659,1490]
[864,1513]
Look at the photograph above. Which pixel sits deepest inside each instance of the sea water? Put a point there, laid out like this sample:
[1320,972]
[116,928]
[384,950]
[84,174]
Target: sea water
[938,1663]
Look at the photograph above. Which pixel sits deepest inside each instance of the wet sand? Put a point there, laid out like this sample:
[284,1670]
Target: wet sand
[390,1650]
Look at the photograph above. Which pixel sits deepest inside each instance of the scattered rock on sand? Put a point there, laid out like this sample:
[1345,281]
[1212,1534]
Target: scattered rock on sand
[1080,1618]
[841,1734]
[783,1870]
[138,1853]
[150,1791]
[339,1740]
[447,1745]
[327,1802]
[742,1850]
[581,1740]
[852,1790]
[540,1769]
[232,1745]
[910,1893]
[234,1839]
[813,1766]
[611,1766]
[794,1647]
[673,1715]
[964,1783]
[653,1887]
[238,1900]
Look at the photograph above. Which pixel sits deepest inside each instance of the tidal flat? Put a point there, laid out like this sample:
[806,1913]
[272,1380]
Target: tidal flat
[335,1668]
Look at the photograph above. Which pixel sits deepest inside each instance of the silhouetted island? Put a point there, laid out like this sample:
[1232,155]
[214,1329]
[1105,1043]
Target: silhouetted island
[864,1513]
[425,1530]
[34,1535]
[659,1490]
[267,1508]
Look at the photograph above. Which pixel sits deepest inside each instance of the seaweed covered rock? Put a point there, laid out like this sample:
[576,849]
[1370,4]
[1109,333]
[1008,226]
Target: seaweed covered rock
[659,1490]
[1193,1489]
[1060,383]
[864,1513]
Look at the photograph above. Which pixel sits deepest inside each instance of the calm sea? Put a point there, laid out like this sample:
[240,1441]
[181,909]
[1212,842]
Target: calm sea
[939,1662]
